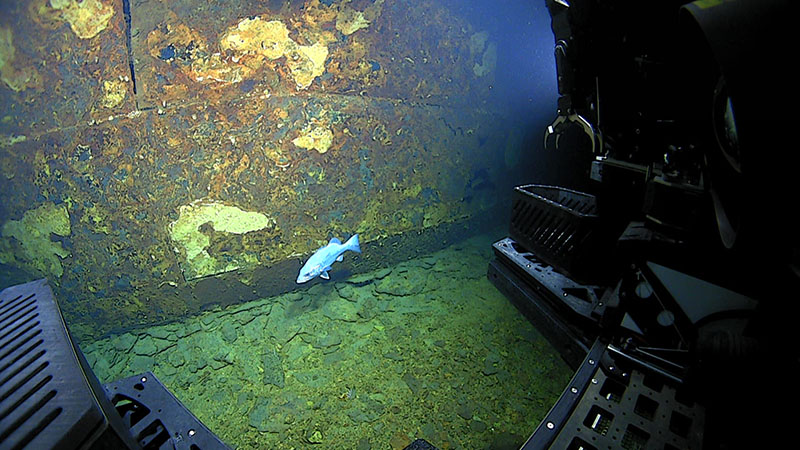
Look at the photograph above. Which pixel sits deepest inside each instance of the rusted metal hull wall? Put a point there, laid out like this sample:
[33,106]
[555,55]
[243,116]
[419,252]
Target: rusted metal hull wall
[400,141]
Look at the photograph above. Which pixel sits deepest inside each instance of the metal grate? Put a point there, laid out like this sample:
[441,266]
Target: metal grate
[624,408]
[50,399]
[562,228]
[44,397]
[156,418]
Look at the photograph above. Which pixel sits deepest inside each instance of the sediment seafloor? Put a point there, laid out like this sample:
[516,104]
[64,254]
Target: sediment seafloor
[427,348]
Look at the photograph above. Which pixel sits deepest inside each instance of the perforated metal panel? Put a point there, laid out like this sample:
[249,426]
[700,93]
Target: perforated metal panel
[156,418]
[563,228]
[609,406]
[45,399]
[639,415]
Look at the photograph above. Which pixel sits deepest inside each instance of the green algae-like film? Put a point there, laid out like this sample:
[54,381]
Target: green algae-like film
[425,349]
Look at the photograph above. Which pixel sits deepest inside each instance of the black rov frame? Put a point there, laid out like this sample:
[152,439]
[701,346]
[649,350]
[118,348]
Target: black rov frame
[50,398]
[665,269]
[681,336]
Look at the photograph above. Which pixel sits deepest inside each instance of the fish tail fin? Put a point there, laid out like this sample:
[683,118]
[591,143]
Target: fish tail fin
[352,244]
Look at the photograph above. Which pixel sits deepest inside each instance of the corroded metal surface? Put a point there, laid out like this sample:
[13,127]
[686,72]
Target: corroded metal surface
[61,67]
[389,136]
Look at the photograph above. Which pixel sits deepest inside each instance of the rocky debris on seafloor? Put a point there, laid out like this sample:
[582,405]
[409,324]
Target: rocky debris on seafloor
[282,327]
[328,343]
[367,409]
[273,369]
[490,364]
[369,277]
[403,283]
[273,356]
[465,409]
[263,418]
[175,348]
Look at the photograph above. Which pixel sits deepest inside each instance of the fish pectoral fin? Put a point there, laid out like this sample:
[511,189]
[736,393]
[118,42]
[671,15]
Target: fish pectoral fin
[340,258]
[325,276]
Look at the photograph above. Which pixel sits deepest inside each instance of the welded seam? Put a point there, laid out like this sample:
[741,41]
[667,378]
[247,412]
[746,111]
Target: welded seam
[126,10]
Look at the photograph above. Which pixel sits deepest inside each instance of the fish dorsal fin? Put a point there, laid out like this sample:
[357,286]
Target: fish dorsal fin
[325,276]
[340,258]
[335,241]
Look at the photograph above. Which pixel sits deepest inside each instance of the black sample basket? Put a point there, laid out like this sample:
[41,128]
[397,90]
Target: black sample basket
[562,228]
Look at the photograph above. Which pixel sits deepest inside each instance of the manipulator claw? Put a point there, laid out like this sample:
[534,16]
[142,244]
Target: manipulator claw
[565,118]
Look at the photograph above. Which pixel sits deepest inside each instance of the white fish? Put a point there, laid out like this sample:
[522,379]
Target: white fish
[320,262]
